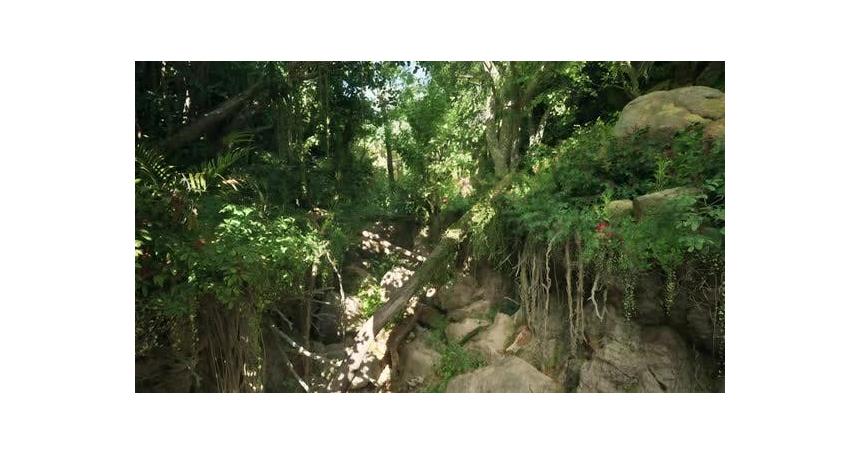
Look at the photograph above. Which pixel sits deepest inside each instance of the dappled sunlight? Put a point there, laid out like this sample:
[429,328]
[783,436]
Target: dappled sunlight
[396,277]
[375,226]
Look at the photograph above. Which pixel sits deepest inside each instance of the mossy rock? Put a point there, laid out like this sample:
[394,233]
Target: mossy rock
[664,113]
[656,201]
[619,209]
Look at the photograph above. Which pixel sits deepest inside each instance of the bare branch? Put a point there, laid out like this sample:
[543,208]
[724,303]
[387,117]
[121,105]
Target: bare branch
[301,349]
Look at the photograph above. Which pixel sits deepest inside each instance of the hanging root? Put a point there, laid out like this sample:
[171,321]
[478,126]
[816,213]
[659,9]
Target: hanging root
[546,287]
[579,320]
[594,302]
[534,285]
[571,324]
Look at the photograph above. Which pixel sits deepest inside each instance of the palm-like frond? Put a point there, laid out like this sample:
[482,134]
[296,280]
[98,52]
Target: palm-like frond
[153,166]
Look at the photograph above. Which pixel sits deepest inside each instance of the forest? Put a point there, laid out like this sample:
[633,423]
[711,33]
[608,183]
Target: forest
[429,226]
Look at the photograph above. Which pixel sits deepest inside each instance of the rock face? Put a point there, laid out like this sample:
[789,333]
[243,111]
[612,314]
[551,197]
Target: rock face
[630,358]
[666,112]
[508,374]
[694,321]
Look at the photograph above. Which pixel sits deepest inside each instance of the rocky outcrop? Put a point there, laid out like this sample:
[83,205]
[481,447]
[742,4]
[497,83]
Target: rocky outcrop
[507,374]
[663,113]
[631,358]
[691,319]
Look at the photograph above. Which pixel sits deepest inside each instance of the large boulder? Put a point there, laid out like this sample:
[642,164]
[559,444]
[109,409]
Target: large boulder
[478,309]
[458,332]
[508,374]
[663,113]
[418,360]
[430,316]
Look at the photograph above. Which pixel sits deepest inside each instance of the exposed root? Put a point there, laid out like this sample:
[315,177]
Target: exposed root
[594,302]
[579,319]
[571,324]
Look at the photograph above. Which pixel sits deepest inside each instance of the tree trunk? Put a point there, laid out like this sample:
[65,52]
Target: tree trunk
[389,160]
[400,298]
[505,112]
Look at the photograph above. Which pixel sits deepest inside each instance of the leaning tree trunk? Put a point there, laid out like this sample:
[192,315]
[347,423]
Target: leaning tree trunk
[211,119]
[447,245]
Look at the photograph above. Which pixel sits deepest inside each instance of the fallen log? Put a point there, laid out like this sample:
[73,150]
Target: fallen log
[447,245]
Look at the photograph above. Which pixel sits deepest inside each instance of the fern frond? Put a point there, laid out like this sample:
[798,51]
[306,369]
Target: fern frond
[239,145]
[195,182]
[153,166]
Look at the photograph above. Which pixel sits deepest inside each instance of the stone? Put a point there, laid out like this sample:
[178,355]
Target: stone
[506,375]
[478,310]
[630,358]
[571,373]
[653,202]
[458,332]
[666,112]
[494,284]
[373,366]
[619,209]
[491,342]
[364,376]
[430,316]
[460,294]
[544,354]
[418,359]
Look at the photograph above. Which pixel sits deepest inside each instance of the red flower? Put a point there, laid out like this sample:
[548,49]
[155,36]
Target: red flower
[602,230]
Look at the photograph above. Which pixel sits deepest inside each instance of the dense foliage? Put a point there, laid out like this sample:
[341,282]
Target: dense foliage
[254,180]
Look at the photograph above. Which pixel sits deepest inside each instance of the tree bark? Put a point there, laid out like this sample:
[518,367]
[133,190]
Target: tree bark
[504,113]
